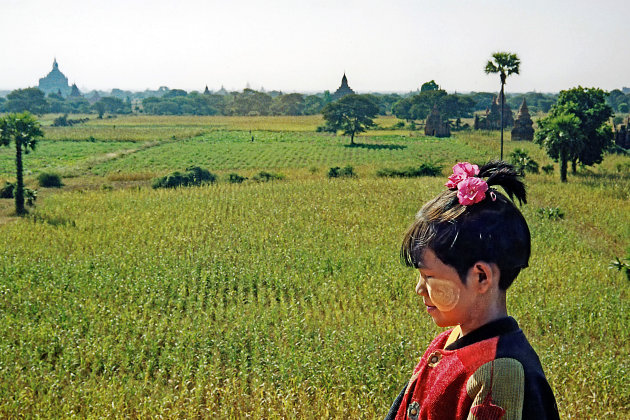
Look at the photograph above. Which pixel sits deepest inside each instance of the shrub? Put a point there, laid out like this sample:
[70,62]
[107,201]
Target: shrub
[192,177]
[622,265]
[552,213]
[425,169]
[7,190]
[523,162]
[399,125]
[49,180]
[198,176]
[263,176]
[623,167]
[548,169]
[337,172]
[30,196]
[63,121]
[236,178]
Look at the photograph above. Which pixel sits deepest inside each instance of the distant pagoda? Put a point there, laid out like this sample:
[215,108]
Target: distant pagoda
[523,126]
[492,119]
[343,90]
[222,91]
[75,92]
[435,126]
[55,81]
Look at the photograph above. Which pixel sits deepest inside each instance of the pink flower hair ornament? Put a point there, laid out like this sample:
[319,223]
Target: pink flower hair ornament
[470,189]
[461,171]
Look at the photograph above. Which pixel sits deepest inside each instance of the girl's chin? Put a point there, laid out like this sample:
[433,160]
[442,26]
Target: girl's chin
[440,322]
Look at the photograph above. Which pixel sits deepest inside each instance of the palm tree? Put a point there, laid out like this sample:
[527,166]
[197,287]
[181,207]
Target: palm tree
[24,130]
[505,64]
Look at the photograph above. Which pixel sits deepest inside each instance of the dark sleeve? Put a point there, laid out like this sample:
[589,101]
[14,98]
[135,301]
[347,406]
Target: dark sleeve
[539,403]
[396,405]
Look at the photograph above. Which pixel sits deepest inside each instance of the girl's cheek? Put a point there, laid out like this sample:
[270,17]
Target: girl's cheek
[443,294]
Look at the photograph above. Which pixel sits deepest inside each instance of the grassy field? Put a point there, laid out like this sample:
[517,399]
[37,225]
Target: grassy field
[281,299]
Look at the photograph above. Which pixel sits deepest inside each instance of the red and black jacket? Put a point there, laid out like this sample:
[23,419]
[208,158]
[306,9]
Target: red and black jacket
[490,373]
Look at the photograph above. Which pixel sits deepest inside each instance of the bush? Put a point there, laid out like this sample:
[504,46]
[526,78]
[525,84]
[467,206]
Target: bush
[7,190]
[337,172]
[548,169]
[552,213]
[236,178]
[49,180]
[622,265]
[623,167]
[192,177]
[523,162]
[425,169]
[399,125]
[63,121]
[263,176]
[30,196]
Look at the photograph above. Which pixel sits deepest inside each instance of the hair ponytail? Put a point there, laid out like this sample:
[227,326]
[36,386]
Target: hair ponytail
[503,174]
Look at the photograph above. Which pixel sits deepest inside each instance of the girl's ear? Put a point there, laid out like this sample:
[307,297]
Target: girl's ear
[484,276]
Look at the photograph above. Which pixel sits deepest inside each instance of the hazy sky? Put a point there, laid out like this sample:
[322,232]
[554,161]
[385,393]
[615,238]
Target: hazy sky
[306,45]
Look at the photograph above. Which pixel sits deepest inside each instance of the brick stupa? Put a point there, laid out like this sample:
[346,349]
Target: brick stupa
[523,126]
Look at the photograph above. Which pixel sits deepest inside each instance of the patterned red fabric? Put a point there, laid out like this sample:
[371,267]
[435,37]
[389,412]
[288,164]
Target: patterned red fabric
[439,388]
[487,410]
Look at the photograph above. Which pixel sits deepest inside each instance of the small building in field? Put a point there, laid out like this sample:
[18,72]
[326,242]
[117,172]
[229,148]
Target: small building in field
[523,126]
[435,126]
[492,119]
[622,135]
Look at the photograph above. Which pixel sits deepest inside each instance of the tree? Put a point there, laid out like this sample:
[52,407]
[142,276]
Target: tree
[505,64]
[24,130]
[560,135]
[353,114]
[173,93]
[112,105]
[419,106]
[429,86]
[29,99]
[590,107]
[290,104]
[250,102]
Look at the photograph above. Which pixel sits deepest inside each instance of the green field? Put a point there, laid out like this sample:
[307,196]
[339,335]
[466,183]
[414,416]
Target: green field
[280,299]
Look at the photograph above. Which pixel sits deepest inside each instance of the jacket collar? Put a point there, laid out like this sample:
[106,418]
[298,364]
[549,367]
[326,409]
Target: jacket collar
[492,329]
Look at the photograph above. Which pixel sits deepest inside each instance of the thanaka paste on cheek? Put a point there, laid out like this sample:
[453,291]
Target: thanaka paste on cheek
[443,294]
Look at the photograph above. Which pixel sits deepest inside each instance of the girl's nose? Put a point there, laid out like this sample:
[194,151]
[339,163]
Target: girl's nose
[421,287]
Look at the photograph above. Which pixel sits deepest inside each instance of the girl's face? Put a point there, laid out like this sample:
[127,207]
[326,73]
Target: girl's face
[447,300]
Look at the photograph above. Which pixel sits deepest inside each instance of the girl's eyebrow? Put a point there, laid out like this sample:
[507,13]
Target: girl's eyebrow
[425,272]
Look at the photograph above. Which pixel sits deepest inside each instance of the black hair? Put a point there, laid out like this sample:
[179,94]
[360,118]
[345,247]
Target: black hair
[492,230]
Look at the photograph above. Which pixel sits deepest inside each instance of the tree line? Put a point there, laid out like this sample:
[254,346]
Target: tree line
[411,106]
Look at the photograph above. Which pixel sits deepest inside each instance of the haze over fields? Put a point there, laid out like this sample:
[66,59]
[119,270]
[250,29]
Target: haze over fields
[306,46]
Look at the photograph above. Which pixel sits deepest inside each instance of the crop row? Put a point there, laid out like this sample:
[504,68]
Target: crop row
[275,299]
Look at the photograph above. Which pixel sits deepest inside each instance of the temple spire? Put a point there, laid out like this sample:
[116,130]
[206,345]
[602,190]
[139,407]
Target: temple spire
[343,90]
